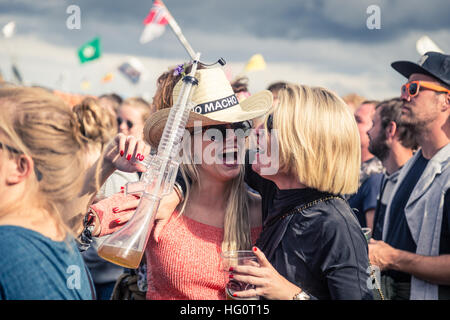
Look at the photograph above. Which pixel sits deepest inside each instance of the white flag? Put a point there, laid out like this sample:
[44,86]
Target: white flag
[425,44]
[155,22]
[8,29]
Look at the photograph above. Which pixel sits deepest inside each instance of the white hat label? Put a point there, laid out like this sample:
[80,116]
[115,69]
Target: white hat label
[216,105]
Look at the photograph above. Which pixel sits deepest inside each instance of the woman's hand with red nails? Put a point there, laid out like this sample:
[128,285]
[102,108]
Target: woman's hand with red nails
[125,153]
[269,283]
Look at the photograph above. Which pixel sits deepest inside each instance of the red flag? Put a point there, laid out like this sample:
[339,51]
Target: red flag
[155,22]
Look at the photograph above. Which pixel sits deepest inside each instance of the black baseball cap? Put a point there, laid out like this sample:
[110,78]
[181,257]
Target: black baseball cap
[433,64]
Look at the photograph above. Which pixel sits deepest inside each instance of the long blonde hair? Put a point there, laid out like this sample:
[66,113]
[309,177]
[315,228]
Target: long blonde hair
[40,125]
[318,139]
[237,228]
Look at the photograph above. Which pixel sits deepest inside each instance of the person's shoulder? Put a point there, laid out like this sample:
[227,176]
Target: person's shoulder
[15,245]
[334,213]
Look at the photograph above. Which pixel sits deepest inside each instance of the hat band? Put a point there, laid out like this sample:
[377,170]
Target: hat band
[216,105]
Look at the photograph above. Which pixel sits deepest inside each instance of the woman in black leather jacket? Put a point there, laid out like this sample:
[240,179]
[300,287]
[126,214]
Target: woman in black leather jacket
[311,246]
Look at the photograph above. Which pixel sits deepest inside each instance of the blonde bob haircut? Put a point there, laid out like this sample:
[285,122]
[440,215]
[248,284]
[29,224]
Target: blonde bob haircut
[318,139]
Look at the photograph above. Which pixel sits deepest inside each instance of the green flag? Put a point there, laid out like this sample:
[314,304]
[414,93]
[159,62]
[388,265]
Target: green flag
[90,50]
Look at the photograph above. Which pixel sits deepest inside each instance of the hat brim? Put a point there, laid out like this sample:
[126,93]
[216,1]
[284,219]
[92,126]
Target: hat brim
[254,106]
[407,68]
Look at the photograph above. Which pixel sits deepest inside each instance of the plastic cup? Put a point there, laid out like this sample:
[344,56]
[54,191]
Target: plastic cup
[233,259]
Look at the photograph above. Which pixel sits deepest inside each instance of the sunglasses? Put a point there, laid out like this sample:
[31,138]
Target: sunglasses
[411,89]
[128,122]
[240,129]
[14,150]
[269,122]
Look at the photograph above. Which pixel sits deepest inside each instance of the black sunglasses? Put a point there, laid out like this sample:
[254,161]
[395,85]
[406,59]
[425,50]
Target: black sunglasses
[241,129]
[129,123]
[269,122]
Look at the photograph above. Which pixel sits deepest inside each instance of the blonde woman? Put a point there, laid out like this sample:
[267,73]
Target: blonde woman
[131,116]
[311,246]
[46,184]
[218,212]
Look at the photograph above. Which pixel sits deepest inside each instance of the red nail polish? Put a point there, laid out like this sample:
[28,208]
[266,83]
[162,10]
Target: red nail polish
[234,295]
[231,269]
[117,221]
[142,158]
[115,210]
[122,153]
[255,249]
[138,156]
[129,157]
[121,188]
[231,276]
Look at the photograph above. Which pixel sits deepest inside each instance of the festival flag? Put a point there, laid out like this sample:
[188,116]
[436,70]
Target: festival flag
[85,84]
[256,62]
[425,44]
[8,29]
[90,50]
[132,69]
[108,77]
[155,22]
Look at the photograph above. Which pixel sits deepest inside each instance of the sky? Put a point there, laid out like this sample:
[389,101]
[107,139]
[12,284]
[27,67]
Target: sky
[315,42]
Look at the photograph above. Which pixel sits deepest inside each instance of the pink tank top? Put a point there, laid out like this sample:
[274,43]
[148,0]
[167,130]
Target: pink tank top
[185,264]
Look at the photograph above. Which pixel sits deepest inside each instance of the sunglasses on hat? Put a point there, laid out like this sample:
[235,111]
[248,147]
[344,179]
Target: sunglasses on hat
[411,89]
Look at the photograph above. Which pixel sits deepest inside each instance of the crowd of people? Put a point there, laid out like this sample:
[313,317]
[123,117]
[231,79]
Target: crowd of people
[317,171]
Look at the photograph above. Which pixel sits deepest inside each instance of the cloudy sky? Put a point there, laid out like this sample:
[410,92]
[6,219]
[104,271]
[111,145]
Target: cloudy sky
[316,42]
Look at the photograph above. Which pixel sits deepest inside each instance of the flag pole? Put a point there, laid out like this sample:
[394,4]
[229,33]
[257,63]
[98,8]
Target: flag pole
[177,30]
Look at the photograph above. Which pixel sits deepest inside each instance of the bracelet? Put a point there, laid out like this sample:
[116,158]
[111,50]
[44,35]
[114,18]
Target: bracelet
[302,295]
[85,238]
[179,191]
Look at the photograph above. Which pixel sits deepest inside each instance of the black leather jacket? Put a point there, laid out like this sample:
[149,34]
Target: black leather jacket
[321,248]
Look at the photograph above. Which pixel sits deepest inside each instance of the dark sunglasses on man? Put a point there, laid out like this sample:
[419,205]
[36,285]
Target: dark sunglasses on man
[128,122]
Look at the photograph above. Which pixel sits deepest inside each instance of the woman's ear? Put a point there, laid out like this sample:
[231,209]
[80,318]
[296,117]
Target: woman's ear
[20,168]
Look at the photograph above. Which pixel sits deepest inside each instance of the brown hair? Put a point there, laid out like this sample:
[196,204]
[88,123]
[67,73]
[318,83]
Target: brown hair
[277,86]
[391,110]
[39,124]
[164,86]
[97,124]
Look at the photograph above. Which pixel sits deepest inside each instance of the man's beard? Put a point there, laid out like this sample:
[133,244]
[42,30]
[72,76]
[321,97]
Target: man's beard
[379,148]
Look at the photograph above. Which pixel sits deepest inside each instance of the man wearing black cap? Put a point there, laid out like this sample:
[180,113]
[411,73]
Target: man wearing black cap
[415,252]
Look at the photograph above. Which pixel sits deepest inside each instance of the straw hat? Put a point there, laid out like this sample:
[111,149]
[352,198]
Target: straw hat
[215,103]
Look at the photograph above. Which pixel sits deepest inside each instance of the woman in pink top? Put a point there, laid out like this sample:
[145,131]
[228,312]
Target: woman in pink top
[218,213]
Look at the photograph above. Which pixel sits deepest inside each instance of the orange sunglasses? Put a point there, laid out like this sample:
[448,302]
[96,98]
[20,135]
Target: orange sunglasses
[411,89]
